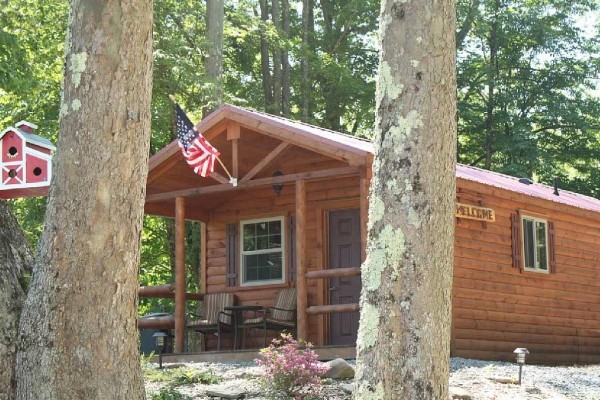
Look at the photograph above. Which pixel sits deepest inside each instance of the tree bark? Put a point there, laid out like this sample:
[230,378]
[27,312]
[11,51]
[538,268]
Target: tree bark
[214,62]
[304,61]
[285,60]
[276,61]
[307,24]
[78,335]
[403,344]
[264,58]
[492,73]
[15,258]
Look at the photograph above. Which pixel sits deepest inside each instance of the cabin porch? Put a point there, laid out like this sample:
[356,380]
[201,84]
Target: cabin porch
[287,177]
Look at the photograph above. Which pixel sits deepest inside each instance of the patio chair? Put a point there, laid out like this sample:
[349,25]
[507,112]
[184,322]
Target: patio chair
[281,317]
[213,319]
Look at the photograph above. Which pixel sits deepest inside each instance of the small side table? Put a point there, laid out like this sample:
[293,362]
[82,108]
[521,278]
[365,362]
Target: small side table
[238,318]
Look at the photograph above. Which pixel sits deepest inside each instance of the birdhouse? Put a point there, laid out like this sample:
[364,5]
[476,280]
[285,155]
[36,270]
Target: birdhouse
[25,162]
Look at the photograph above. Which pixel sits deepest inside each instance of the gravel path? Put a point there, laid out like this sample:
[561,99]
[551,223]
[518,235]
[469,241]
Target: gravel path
[480,379]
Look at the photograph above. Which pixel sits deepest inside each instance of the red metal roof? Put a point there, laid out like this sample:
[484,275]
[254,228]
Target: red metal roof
[347,142]
[535,190]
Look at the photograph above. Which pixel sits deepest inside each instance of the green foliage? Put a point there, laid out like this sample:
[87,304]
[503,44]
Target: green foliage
[169,393]
[190,377]
[527,90]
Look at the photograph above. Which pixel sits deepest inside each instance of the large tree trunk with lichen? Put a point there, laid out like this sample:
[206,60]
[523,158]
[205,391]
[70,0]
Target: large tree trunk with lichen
[15,259]
[78,335]
[404,336]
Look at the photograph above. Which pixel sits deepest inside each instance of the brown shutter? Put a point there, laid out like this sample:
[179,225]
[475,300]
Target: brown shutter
[231,255]
[516,241]
[292,248]
[551,247]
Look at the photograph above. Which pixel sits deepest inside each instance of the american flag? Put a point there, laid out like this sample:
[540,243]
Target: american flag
[198,153]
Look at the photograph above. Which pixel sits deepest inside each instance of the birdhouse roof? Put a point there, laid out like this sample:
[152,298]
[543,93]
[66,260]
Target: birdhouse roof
[29,137]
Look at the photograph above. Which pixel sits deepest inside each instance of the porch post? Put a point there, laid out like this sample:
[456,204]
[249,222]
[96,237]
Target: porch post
[365,180]
[179,274]
[301,285]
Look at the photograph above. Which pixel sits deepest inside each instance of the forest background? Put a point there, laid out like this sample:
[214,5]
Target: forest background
[528,85]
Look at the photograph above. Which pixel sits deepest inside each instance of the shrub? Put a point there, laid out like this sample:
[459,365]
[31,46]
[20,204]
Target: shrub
[291,368]
[189,377]
[168,393]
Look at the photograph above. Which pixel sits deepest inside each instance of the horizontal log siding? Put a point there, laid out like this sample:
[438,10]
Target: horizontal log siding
[262,203]
[497,309]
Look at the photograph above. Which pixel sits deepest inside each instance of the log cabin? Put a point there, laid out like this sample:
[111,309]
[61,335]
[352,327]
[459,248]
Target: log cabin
[527,256]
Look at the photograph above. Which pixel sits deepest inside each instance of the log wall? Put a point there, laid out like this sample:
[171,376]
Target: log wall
[497,308]
[262,203]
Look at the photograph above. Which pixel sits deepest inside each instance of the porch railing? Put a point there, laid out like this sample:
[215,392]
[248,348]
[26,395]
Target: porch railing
[332,273]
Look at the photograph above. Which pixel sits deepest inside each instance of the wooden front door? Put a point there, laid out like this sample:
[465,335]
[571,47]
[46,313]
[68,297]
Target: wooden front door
[344,252]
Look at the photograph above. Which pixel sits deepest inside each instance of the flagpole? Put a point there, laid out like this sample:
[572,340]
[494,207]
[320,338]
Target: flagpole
[232,180]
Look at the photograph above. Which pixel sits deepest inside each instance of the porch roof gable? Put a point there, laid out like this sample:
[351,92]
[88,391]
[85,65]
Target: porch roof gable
[334,144]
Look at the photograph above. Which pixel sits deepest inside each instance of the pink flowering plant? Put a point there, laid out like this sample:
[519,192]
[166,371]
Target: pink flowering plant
[291,368]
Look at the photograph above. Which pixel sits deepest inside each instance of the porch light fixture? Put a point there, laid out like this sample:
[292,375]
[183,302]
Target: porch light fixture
[159,337]
[521,353]
[277,187]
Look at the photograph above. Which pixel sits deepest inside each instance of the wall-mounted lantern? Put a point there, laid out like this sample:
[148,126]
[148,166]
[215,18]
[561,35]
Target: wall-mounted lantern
[277,187]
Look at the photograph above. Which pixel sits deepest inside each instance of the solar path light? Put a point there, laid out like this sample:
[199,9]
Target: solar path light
[521,353]
[160,345]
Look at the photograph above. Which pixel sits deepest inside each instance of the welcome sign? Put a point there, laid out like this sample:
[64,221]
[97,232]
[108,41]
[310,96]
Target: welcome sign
[477,213]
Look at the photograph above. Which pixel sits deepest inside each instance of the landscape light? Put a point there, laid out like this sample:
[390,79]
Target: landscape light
[160,345]
[521,353]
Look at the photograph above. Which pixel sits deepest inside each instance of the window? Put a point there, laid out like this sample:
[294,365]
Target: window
[262,244]
[535,244]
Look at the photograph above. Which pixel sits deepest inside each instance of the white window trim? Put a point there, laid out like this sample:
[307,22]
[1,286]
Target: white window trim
[523,260]
[242,253]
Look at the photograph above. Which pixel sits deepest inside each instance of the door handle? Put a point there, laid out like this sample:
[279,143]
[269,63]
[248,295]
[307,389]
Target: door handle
[333,288]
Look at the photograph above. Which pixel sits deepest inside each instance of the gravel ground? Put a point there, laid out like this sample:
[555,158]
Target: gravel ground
[480,379]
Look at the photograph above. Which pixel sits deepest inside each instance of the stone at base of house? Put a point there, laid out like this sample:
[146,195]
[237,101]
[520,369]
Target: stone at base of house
[456,393]
[226,392]
[339,369]
[348,387]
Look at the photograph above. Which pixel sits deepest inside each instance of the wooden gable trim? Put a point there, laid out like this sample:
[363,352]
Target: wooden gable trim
[311,175]
[161,168]
[266,161]
[329,150]
[219,178]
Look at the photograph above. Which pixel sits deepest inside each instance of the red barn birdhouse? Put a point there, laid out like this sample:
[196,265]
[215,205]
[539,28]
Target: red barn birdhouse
[25,162]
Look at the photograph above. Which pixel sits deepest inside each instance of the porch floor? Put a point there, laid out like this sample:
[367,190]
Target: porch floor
[325,353]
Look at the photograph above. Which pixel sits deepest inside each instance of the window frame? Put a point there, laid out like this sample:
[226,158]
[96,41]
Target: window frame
[242,280]
[535,219]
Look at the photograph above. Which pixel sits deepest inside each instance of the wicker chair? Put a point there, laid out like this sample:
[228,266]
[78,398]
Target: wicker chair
[213,318]
[281,317]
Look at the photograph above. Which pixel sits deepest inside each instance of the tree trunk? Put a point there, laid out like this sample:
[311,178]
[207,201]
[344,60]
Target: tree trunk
[264,58]
[276,61]
[285,60]
[492,76]
[306,31]
[15,259]
[403,344]
[214,62]
[78,335]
